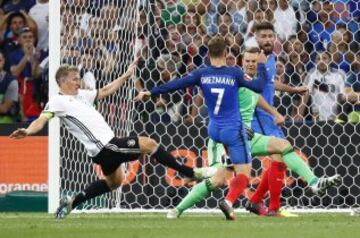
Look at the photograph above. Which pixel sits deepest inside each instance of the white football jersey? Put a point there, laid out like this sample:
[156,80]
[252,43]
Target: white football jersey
[82,119]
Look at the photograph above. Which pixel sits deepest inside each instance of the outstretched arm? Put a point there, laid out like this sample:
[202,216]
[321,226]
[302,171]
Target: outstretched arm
[112,87]
[279,86]
[173,85]
[279,119]
[32,129]
[187,81]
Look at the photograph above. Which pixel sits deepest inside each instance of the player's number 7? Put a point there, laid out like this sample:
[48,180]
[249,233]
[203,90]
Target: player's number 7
[220,92]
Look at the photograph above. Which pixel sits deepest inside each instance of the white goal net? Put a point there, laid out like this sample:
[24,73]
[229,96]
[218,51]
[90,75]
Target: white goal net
[99,38]
[169,38]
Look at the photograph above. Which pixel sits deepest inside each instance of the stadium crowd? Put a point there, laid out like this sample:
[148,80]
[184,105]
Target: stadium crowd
[24,43]
[317,45]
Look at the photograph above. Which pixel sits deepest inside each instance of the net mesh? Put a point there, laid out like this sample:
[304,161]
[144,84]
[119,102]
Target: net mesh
[169,38]
[98,38]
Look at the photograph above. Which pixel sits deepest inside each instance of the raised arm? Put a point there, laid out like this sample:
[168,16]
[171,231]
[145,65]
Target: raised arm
[32,129]
[112,87]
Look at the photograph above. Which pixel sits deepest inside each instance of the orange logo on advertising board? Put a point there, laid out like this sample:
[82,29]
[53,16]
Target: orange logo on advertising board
[23,164]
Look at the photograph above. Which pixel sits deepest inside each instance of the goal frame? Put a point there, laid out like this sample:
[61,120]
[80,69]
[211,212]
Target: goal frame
[54,138]
[54,124]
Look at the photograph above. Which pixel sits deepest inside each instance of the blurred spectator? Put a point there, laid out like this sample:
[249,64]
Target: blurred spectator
[235,43]
[169,106]
[250,40]
[286,20]
[226,29]
[155,33]
[173,12]
[24,65]
[193,36]
[252,7]
[190,27]
[259,16]
[9,97]
[68,29]
[282,101]
[280,69]
[295,69]
[10,26]
[295,74]
[343,13]
[79,9]
[172,102]
[321,30]
[301,7]
[268,5]
[313,11]
[18,5]
[239,16]
[40,14]
[326,85]
[225,25]
[342,48]
[86,71]
[290,72]
[236,11]
[177,49]
[351,101]
[231,59]
[108,13]
[295,45]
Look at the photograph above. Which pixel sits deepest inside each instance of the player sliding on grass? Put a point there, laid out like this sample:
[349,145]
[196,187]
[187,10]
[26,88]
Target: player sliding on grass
[75,109]
[260,145]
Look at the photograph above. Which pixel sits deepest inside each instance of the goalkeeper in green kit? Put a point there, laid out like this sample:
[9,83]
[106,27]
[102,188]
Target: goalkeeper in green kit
[261,145]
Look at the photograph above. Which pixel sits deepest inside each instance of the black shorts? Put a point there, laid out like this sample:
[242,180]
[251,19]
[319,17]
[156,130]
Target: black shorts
[117,151]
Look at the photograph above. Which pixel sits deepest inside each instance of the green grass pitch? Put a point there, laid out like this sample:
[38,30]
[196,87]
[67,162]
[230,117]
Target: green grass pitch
[189,226]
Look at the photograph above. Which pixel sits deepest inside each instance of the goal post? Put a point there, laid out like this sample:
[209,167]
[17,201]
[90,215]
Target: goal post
[54,124]
[100,41]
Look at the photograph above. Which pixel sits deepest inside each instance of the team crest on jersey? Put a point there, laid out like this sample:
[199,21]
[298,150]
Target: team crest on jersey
[131,143]
[247,77]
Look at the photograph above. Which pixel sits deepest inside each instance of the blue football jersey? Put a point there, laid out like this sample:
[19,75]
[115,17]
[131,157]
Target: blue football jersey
[269,89]
[220,88]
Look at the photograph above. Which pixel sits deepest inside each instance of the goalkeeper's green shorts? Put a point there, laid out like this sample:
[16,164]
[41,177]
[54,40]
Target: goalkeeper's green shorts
[217,156]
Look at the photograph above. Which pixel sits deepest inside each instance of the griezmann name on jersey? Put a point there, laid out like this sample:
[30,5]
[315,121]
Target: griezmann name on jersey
[220,88]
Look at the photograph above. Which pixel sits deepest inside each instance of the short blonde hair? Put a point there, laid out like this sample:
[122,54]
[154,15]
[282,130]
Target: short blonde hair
[63,72]
[217,46]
